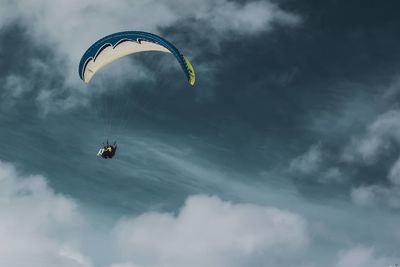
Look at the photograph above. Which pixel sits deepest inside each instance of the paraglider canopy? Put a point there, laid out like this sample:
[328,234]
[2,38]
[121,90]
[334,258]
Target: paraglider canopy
[117,45]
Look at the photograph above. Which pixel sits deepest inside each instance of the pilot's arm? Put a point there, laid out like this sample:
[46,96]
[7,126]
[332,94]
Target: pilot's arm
[100,152]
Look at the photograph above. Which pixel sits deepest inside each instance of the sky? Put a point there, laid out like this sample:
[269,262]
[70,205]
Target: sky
[284,153]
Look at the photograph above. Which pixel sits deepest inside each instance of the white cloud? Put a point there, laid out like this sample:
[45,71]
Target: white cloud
[373,195]
[46,228]
[309,162]
[211,232]
[12,87]
[382,134]
[333,174]
[70,27]
[76,24]
[30,214]
[316,164]
[361,257]
[394,173]
[125,265]
[363,196]
[379,137]
[41,228]
[73,25]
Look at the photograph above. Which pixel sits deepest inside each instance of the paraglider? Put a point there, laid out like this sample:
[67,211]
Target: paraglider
[120,44]
[108,151]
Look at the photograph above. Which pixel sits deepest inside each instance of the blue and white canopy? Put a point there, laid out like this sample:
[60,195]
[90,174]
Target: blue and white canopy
[117,45]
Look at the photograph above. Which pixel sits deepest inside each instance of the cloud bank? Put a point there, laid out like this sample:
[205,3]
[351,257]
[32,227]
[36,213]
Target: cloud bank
[211,232]
[37,226]
[48,230]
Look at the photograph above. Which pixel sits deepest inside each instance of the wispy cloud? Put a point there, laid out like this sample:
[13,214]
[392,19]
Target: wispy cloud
[74,24]
[377,143]
[14,87]
[376,195]
[371,147]
[68,28]
[316,164]
[378,139]
[309,162]
[362,257]
[394,173]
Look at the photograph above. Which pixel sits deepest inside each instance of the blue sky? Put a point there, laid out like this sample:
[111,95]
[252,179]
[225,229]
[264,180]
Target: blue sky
[285,153]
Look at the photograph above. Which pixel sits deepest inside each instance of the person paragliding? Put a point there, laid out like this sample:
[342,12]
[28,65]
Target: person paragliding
[107,151]
[121,44]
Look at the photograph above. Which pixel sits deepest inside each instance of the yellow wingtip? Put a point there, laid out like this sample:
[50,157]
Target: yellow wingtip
[190,69]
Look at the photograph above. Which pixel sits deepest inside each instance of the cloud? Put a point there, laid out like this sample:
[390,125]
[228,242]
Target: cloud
[31,214]
[394,173]
[75,24]
[33,75]
[46,228]
[317,164]
[363,196]
[361,257]
[13,87]
[376,195]
[379,141]
[309,162]
[67,28]
[379,138]
[333,174]
[210,232]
